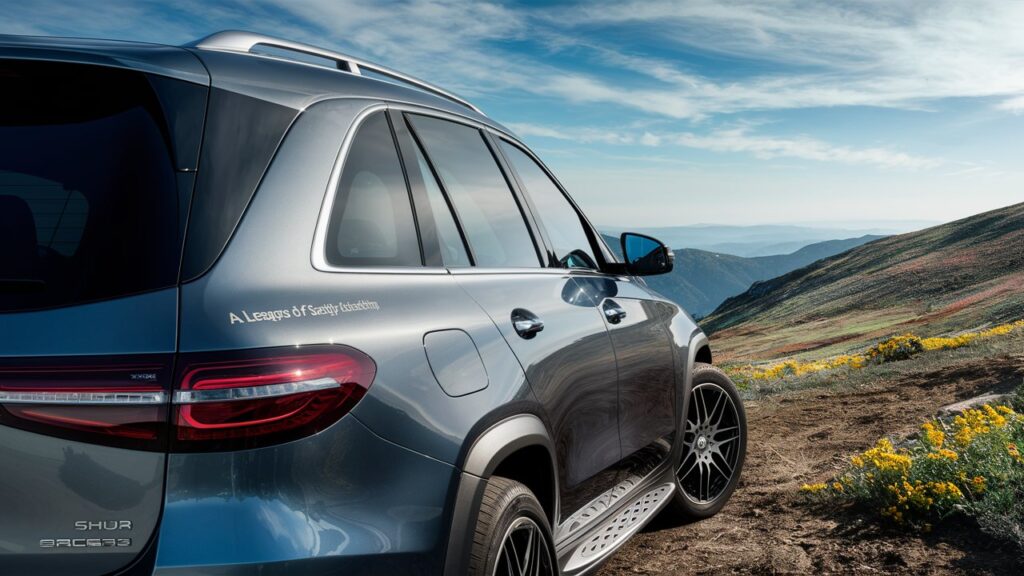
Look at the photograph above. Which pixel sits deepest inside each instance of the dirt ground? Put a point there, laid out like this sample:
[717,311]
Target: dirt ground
[806,436]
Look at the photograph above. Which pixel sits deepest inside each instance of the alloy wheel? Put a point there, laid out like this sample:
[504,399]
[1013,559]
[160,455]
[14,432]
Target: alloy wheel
[710,444]
[524,551]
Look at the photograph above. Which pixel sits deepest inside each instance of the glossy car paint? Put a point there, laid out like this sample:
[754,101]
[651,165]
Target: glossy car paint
[393,486]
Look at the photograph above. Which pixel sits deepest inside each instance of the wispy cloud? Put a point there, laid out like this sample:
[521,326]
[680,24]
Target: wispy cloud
[739,139]
[801,54]
[819,54]
[1015,105]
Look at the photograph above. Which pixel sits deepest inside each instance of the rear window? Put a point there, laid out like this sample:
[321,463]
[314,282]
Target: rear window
[89,205]
[371,222]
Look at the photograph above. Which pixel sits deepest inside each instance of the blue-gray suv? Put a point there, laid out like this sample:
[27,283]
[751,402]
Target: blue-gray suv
[268,309]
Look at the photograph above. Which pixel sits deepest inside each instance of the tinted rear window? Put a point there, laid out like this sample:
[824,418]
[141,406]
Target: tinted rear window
[371,222]
[89,205]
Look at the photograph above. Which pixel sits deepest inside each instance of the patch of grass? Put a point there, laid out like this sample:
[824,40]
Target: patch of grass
[892,349]
[845,379]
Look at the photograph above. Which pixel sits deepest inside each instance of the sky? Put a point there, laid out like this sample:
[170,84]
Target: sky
[661,113]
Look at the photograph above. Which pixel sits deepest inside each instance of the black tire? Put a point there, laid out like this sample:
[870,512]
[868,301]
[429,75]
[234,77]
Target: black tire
[507,509]
[690,503]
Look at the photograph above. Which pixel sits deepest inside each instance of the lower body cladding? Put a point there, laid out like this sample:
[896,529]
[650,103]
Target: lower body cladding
[342,501]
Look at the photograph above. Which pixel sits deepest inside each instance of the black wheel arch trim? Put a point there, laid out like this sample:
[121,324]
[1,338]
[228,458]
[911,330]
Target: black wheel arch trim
[483,456]
[697,346]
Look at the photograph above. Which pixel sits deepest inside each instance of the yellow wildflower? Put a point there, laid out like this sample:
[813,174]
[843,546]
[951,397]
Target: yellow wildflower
[934,436]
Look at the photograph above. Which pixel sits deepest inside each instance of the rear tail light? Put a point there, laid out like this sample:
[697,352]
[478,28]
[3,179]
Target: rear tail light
[222,401]
[119,401]
[266,396]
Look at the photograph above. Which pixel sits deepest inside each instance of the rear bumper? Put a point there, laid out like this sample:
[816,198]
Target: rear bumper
[343,501]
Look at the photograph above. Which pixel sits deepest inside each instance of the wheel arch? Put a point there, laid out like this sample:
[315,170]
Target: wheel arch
[518,447]
[703,353]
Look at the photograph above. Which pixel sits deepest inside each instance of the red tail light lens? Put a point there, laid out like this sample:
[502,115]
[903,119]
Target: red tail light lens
[113,401]
[263,397]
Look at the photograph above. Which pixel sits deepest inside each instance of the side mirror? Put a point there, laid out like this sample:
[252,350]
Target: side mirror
[646,256]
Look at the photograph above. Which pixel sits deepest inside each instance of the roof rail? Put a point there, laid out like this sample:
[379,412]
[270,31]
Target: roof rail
[240,41]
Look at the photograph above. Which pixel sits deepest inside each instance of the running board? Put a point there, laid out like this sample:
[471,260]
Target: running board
[608,536]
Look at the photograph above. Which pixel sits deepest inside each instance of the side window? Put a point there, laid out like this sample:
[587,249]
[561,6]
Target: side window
[490,216]
[371,222]
[560,219]
[453,250]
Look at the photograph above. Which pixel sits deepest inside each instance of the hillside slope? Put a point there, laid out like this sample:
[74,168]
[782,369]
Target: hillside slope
[764,239]
[950,277]
[702,280]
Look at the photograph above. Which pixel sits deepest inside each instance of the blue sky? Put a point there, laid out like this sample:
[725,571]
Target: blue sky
[661,113]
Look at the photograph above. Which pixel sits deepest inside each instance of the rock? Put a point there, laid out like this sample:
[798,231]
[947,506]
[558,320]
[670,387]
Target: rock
[990,398]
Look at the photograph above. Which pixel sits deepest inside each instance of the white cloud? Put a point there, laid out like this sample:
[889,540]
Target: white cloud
[739,140]
[1015,105]
[806,148]
[812,54]
[815,54]
[894,54]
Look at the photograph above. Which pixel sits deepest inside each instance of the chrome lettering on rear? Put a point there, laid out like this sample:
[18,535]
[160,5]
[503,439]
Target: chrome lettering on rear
[92,526]
[108,525]
[85,543]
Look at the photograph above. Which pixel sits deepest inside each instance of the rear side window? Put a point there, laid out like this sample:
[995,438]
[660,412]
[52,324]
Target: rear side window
[490,216]
[89,206]
[563,224]
[371,221]
[453,250]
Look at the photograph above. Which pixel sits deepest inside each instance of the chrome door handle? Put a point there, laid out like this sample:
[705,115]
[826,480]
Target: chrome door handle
[613,312]
[526,323]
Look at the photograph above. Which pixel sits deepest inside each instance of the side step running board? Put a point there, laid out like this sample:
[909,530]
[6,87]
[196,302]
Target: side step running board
[617,529]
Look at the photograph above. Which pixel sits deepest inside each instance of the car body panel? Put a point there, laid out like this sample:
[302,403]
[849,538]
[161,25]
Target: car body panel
[343,492]
[569,364]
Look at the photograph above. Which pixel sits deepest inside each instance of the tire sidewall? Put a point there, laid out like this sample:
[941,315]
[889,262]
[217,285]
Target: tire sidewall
[520,503]
[704,374]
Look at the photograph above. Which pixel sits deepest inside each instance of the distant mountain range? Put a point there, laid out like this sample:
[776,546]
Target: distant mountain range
[702,280]
[763,240]
[956,276]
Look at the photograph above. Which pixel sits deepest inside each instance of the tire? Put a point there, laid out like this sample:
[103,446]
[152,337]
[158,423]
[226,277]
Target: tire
[710,447]
[509,512]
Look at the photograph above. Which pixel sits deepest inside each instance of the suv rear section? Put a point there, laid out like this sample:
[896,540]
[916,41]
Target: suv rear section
[99,146]
[175,372]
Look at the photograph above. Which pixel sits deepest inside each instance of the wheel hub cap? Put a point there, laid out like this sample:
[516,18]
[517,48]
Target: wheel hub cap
[702,443]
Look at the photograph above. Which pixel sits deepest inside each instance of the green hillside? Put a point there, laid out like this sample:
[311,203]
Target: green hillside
[952,277]
[702,280]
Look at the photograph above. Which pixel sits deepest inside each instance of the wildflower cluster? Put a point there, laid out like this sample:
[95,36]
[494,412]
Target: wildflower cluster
[946,343]
[962,466]
[892,349]
[895,348]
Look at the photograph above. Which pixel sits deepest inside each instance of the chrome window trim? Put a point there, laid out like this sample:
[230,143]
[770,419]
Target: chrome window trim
[126,398]
[318,254]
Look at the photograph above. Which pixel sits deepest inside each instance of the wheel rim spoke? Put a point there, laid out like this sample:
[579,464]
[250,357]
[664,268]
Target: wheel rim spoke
[524,551]
[710,444]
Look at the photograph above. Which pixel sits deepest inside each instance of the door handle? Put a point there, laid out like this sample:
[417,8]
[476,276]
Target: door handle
[526,323]
[613,312]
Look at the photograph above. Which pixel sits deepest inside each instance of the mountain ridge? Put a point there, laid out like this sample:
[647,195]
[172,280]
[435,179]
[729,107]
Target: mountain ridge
[949,277]
[702,279]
